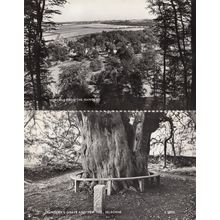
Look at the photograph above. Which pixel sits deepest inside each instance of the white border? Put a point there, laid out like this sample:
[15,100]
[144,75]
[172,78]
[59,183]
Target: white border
[11,91]
[208,84]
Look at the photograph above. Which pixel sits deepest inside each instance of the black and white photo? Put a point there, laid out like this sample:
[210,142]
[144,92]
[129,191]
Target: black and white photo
[109,55]
[110,109]
[145,161]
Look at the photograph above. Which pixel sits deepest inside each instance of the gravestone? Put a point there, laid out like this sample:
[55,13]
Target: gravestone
[99,198]
[76,186]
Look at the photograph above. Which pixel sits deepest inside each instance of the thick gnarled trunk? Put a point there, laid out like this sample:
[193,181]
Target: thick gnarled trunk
[113,147]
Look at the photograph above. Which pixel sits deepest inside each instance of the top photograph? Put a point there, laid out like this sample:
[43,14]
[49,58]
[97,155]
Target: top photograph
[109,55]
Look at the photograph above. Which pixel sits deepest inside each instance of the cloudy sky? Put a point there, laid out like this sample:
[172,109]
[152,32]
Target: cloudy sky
[85,10]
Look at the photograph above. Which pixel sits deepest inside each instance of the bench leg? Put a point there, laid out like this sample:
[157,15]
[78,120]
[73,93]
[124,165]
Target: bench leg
[152,180]
[109,187]
[158,180]
[76,186]
[141,185]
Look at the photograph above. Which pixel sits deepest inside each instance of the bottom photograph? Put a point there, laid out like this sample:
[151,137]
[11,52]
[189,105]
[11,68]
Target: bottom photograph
[109,165]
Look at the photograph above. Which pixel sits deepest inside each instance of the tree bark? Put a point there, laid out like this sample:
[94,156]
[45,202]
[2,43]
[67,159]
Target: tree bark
[112,147]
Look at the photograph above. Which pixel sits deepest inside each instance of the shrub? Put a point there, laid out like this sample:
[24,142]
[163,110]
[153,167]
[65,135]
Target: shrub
[96,65]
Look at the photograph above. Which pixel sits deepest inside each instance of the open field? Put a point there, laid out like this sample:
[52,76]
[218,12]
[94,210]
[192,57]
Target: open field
[71,30]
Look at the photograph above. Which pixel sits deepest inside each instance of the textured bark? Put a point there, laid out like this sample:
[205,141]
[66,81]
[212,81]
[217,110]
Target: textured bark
[112,147]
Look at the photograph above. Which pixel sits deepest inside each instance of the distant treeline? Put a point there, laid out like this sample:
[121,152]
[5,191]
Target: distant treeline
[142,22]
[145,22]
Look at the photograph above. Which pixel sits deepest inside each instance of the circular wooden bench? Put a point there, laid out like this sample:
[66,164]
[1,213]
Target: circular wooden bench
[154,177]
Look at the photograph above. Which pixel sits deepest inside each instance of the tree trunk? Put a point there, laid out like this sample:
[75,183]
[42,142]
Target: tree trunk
[38,51]
[193,46]
[165,154]
[113,147]
[164,48]
[180,50]
[31,72]
[164,80]
[173,149]
[167,139]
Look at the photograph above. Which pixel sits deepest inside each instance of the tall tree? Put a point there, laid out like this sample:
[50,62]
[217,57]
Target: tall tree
[167,139]
[173,25]
[175,136]
[38,15]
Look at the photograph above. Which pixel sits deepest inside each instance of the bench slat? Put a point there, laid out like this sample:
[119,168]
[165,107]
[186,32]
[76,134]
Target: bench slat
[114,179]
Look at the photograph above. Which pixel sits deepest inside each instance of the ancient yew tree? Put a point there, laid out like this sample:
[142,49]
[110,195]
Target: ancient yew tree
[114,146]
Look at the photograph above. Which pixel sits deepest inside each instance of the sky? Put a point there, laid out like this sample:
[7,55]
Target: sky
[90,10]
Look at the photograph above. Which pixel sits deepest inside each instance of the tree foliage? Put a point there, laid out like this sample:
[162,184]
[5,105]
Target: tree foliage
[173,30]
[57,52]
[72,81]
[123,71]
[37,19]
[51,138]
